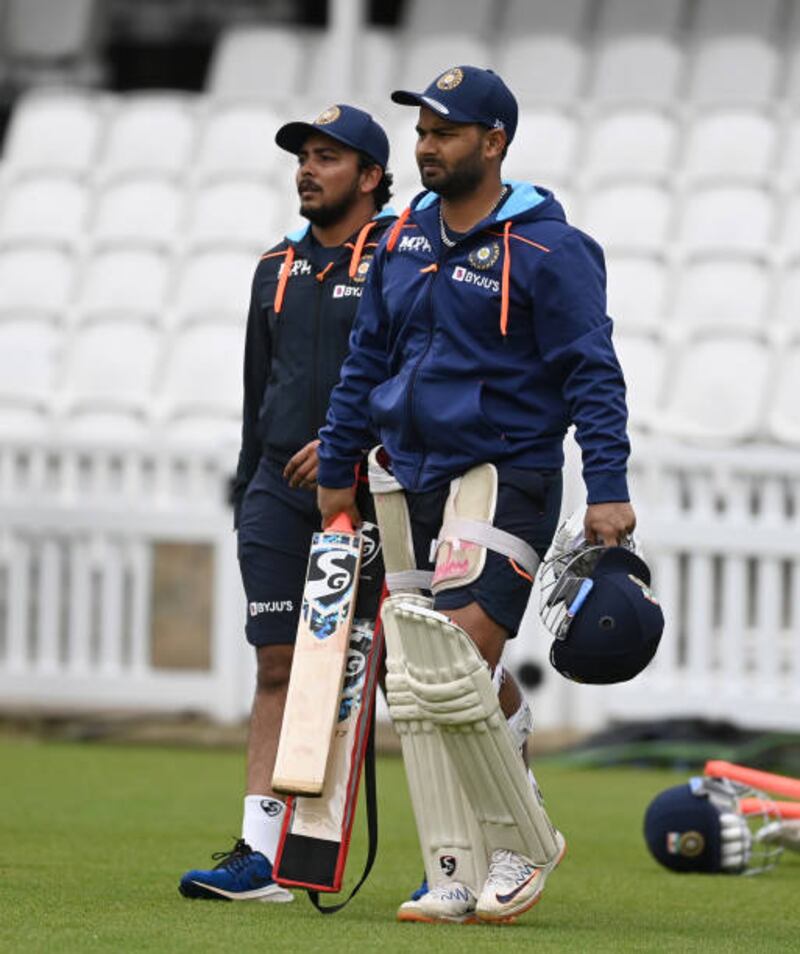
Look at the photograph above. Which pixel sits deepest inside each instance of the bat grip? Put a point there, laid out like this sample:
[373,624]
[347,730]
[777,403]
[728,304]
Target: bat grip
[341,523]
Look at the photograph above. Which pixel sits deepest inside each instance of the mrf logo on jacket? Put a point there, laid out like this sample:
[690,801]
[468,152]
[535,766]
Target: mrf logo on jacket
[461,274]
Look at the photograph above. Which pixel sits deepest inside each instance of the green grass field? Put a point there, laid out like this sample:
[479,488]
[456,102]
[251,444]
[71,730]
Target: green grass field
[93,839]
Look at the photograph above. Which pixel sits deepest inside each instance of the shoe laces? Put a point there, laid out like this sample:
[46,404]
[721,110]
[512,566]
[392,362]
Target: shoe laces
[508,866]
[236,858]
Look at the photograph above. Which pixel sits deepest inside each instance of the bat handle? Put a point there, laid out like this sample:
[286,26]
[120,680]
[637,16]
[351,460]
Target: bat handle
[341,523]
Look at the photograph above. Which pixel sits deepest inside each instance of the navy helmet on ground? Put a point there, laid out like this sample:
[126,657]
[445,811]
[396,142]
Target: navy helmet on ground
[699,827]
[597,603]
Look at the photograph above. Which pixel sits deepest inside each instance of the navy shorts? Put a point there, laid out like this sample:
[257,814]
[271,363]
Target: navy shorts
[528,506]
[276,523]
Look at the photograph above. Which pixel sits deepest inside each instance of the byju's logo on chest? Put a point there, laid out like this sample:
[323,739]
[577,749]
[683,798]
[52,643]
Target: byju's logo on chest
[461,274]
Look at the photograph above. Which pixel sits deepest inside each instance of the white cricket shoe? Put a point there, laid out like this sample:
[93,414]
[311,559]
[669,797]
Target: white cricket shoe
[450,903]
[514,884]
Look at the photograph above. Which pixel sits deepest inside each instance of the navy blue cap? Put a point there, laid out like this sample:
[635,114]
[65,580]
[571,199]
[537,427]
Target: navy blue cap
[467,94]
[346,124]
[683,831]
[617,629]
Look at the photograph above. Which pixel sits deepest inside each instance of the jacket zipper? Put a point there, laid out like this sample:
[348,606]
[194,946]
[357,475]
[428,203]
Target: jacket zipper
[315,374]
[415,371]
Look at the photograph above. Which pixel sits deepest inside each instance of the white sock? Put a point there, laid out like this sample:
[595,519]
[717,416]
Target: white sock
[262,822]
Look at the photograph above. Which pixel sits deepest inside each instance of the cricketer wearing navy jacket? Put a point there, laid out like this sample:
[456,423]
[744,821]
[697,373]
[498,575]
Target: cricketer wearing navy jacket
[486,351]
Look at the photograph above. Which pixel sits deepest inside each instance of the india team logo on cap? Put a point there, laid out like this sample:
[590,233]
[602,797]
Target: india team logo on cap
[688,844]
[485,256]
[329,115]
[363,268]
[450,79]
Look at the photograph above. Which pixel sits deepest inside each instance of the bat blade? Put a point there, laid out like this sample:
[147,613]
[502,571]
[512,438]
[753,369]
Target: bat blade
[320,654]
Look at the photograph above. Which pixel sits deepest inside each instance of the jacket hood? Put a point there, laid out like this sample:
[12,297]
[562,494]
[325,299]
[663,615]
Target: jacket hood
[527,203]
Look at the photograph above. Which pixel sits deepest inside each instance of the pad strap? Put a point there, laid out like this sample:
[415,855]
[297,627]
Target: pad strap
[403,580]
[486,535]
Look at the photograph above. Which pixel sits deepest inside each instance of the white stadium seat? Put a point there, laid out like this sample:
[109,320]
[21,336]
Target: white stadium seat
[124,283]
[149,134]
[261,61]
[36,281]
[541,40]
[731,144]
[215,286]
[717,390]
[644,360]
[722,294]
[638,40]
[544,149]
[201,393]
[43,210]
[238,139]
[53,131]
[728,220]
[637,291]
[422,17]
[141,212]
[29,361]
[234,214]
[632,218]
[735,60]
[428,56]
[783,408]
[638,141]
[109,381]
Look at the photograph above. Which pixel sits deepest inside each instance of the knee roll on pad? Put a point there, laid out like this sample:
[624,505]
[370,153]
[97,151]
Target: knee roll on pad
[453,689]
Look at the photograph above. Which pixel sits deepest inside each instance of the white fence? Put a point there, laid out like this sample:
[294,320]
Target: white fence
[79,528]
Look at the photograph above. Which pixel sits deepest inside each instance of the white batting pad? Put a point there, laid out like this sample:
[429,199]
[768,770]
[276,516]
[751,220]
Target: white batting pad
[450,683]
[452,845]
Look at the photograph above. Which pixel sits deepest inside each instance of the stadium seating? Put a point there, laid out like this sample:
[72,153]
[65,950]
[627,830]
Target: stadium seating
[55,132]
[36,282]
[731,144]
[264,62]
[783,414]
[214,286]
[30,351]
[628,217]
[639,142]
[637,40]
[637,291]
[728,220]
[44,210]
[540,41]
[149,135]
[644,362]
[723,294]
[124,283]
[717,389]
[140,211]
[544,147]
[236,213]
[237,139]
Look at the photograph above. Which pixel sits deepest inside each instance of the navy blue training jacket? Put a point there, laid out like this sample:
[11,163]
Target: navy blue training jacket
[300,319]
[484,352]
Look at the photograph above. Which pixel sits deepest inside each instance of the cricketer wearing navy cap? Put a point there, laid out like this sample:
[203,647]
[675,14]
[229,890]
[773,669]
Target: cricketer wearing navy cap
[346,124]
[467,94]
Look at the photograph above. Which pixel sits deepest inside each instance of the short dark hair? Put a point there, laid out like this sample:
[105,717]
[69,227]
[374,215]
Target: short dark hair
[383,191]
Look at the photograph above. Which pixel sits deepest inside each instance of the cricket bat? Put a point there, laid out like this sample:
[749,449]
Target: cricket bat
[320,654]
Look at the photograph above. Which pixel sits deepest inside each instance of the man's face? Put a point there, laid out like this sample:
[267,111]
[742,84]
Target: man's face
[328,179]
[449,155]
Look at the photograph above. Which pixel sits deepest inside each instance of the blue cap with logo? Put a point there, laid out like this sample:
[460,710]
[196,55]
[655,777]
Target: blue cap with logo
[467,94]
[615,631]
[351,126]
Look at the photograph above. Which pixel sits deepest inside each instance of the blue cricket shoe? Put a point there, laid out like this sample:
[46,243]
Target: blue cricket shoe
[241,875]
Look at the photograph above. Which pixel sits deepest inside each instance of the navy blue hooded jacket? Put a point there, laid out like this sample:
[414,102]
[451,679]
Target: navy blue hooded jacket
[298,326]
[484,352]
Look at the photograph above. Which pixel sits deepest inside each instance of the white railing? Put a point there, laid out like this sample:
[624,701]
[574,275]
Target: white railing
[721,533]
[79,527]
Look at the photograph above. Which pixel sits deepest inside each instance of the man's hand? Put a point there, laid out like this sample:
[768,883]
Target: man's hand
[608,523]
[333,501]
[301,471]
